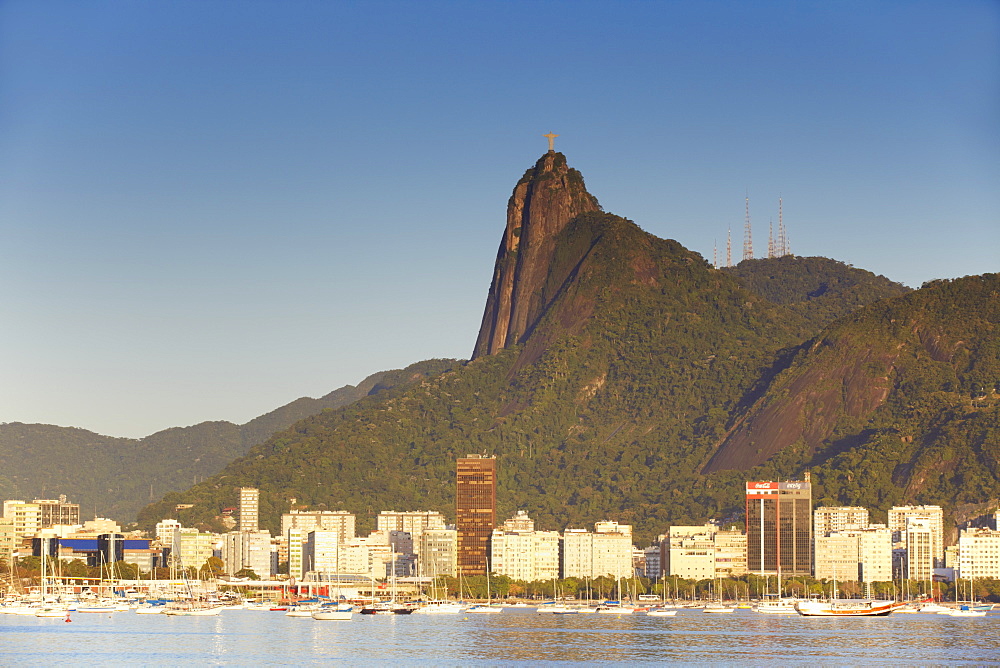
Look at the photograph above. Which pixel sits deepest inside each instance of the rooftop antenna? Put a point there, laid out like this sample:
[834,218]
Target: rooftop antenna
[747,235]
[729,247]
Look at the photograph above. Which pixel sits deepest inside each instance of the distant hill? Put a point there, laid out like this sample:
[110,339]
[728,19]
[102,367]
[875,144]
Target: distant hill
[115,477]
[603,390]
[818,288]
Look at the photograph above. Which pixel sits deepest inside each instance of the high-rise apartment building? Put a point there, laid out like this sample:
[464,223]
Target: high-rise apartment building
[779,527]
[25,516]
[929,516]
[249,509]
[475,511]
[919,541]
[979,554]
[247,549]
[838,518]
[607,551]
[438,553]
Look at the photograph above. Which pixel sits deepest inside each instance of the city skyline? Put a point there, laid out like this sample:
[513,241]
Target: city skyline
[210,210]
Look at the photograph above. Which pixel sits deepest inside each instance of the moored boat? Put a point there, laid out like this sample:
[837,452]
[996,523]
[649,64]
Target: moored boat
[661,612]
[333,612]
[439,608]
[847,608]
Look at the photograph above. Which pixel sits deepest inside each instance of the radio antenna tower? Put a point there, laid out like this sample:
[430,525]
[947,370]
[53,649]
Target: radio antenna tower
[747,235]
[715,254]
[729,247]
[770,239]
[783,249]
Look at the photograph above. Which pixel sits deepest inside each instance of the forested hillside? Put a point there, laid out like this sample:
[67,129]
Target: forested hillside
[817,288]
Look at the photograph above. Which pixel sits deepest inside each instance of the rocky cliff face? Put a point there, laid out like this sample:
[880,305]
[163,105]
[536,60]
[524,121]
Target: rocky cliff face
[547,197]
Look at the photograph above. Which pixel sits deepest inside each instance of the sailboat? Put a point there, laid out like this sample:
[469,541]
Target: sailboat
[489,606]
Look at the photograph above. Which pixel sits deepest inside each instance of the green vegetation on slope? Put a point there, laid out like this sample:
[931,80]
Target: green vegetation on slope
[817,288]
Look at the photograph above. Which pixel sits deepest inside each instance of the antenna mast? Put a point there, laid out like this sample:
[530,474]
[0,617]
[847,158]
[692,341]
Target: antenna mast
[715,254]
[747,235]
[782,236]
[770,239]
[729,247]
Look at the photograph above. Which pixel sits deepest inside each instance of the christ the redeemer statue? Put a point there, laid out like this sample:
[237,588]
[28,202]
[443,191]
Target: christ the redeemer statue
[552,141]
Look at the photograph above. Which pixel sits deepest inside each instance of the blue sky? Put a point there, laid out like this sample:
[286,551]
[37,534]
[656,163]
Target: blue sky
[209,209]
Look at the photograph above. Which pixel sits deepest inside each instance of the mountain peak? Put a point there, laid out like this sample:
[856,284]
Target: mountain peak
[547,197]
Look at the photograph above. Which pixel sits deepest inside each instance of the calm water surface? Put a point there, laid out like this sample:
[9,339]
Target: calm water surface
[242,637]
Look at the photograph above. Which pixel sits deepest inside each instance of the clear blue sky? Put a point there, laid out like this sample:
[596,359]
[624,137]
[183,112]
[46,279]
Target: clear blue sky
[208,209]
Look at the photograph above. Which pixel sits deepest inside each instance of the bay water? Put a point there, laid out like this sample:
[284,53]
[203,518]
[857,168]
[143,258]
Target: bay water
[514,637]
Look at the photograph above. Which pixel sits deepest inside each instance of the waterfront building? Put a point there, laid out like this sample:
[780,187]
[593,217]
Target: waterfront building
[920,542]
[438,553]
[193,548]
[26,517]
[930,516]
[858,554]
[520,552]
[690,551]
[779,527]
[475,511]
[979,553]
[249,509]
[606,551]
[730,553]
[875,553]
[323,551]
[247,549]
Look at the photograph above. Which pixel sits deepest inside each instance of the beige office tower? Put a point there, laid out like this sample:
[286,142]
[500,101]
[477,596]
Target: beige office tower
[929,516]
[249,509]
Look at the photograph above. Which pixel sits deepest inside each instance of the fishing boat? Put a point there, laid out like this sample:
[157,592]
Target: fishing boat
[847,608]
